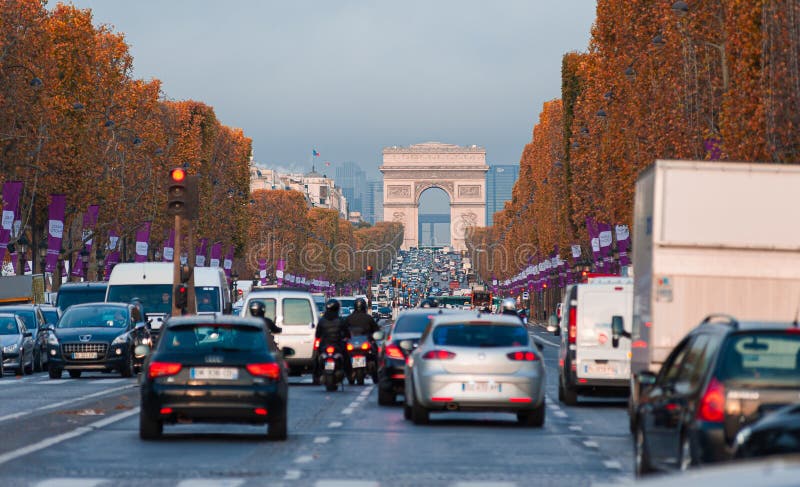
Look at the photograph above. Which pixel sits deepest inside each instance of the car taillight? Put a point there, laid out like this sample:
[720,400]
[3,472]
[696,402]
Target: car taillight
[161,369]
[573,324]
[316,343]
[393,351]
[349,347]
[269,370]
[365,346]
[522,356]
[712,405]
[438,355]
[329,350]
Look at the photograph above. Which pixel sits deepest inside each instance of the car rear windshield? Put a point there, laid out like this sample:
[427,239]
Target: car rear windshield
[207,299]
[471,335]
[68,297]
[415,323]
[761,358]
[297,311]
[213,338]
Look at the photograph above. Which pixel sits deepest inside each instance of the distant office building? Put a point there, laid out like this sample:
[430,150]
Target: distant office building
[350,178]
[372,202]
[499,183]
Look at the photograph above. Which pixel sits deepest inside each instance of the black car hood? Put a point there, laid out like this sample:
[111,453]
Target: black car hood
[95,334]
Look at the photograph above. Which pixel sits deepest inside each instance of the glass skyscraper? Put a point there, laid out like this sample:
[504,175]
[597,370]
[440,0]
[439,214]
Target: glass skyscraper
[499,183]
[350,177]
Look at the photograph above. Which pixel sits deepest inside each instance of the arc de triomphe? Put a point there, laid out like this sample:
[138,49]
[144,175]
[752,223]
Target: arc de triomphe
[459,171]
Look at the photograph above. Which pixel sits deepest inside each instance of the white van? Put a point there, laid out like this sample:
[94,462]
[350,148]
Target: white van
[152,284]
[588,360]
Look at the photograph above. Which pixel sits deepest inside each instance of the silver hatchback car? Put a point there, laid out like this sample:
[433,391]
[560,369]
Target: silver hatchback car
[476,362]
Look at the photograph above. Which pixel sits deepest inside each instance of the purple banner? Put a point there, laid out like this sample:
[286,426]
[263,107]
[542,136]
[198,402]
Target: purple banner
[279,267]
[200,253]
[11,192]
[142,242]
[55,230]
[112,252]
[168,254]
[216,254]
[227,264]
[262,271]
[623,242]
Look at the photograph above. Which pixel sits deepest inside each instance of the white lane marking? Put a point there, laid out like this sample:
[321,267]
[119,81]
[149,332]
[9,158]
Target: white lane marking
[485,484]
[591,444]
[292,475]
[612,464]
[54,440]
[57,382]
[88,396]
[346,483]
[322,439]
[70,482]
[560,414]
[303,459]
[576,428]
[105,381]
[14,416]
[210,483]
[335,424]
[347,411]
[353,405]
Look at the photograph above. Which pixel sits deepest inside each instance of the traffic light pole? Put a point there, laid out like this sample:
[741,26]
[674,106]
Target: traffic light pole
[176,265]
[191,295]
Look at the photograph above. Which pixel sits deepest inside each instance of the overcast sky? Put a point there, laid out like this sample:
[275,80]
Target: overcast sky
[352,77]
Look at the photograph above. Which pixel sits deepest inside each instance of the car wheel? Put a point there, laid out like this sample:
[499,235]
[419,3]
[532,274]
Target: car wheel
[641,458]
[54,372]
[127,369]
[37,362]
[419,414]
[386,397]
[570,396]
[533,418]
[149,428]
[407,412]
[560,390]
[276,430]
[28,369]
[74,373]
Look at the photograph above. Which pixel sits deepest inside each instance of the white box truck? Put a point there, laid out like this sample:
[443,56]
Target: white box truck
[711,237]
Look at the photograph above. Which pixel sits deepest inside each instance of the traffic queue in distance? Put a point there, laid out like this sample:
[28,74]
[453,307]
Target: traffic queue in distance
[704,339]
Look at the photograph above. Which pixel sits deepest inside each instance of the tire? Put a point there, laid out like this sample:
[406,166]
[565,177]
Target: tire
[128,369]
[570,396]
[315,379]
[149,428]
[360,377]
[560,391]
[276,430]
[419,414]
[28,369]
[406,412]
[386,397]
[641,457]
[74,373]
[54,372]
[330,383]
[534,418]
[37,362]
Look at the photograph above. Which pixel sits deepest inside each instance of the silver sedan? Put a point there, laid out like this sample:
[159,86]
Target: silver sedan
[476,362]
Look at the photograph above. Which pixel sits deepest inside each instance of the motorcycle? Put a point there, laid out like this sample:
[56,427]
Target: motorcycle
[363,358]
[331,365]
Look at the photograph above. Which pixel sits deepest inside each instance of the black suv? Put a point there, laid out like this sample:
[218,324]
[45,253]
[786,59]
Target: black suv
[721,377]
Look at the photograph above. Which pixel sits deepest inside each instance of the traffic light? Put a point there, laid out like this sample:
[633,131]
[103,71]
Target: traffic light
[394,282]
[369,273]
[176,192]
[181,297]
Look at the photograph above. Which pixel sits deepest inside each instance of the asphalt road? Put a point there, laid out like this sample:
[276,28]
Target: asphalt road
[84,432]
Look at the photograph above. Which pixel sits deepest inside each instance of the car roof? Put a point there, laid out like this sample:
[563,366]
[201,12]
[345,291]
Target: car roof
[98,305]
[276,290]
[214,319]
[83,285]
[19,306]
[745,326]
[471,317]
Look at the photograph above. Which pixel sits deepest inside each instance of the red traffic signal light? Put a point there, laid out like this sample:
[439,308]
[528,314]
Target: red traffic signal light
[369,273]
[178,174]
[181,297]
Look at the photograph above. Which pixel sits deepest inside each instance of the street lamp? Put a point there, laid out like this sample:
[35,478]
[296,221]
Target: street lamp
[42,256]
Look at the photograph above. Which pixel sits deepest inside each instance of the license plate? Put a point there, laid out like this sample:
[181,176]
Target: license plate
[601,369]
[214,373]
[330,365]
[482,387]
[359,362]
[84,355]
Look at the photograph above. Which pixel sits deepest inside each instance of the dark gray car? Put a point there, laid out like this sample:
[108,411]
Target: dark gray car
[17,343]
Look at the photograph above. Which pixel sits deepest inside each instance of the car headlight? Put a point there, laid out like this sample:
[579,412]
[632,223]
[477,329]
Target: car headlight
[120,340]
[11,348]
[52,339]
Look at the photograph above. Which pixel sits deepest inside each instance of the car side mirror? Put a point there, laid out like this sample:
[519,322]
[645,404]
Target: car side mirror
[377,336]
[141,351]
[27,334]
[617,330]
[645,379]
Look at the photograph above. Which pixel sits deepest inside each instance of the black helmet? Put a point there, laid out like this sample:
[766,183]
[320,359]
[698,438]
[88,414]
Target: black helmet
[360,306]
[332,306]
[257,309]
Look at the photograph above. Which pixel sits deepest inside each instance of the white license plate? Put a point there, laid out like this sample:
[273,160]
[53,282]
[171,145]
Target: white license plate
[330,365]
[84,355]
[214,373]
[482,387]
[359,362]
[609,370]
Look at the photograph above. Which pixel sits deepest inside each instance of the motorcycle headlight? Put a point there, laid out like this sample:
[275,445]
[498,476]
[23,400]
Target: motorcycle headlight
[11,348]
[120,340]
[52,339]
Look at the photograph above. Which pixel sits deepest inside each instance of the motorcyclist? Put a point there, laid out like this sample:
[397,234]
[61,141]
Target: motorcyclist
[359,322]
[509,307]
[331,330]
[257,310]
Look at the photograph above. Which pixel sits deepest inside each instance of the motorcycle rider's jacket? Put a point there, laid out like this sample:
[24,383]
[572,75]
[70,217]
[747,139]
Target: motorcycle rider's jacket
[331,329]
[360,323]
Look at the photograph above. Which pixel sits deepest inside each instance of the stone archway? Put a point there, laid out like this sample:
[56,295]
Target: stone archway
[459,171]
